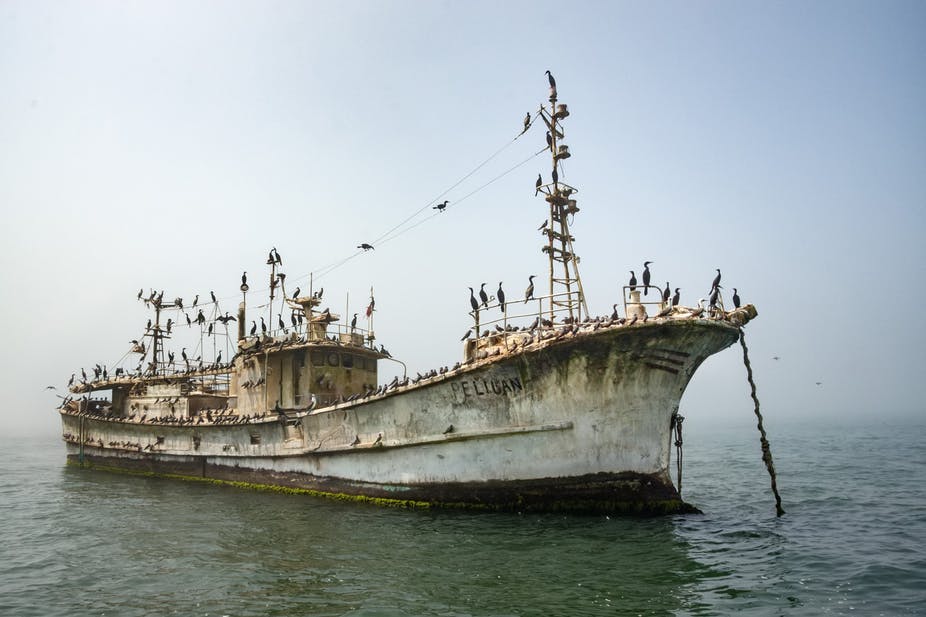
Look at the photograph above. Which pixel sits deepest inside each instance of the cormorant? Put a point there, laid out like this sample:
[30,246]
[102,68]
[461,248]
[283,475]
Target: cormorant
[676,298]
[614,315]
[666,292]
[646,276]
[500,295]
[549,141]
[244,278]
[716,282]
[555,176]
[538,184]
[214,301]
[365,246]
[353,323]
[472,300]
[142,290]
[467,335]
[253,327]
[296,293]
[263,326]
[714,294]
[195,301]
[440,207]
[550,78]
[483,295]
[736,299]
[280,322]
[527,124]
[529,292]
[633,281]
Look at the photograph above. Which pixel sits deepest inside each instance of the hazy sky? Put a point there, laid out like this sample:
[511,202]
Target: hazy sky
[169,145]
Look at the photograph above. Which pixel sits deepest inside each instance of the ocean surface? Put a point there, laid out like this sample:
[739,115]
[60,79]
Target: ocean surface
[853,542]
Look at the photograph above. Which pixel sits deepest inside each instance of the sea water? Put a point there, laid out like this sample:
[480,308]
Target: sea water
[77,542]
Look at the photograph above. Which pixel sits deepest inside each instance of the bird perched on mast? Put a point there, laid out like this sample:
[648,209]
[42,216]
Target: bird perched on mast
[632,283]
[483,295]
[538,184]
[552,84]
[472,300]
[527,123]
[716,282]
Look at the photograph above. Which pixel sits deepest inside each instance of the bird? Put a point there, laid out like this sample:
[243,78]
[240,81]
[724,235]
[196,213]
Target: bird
[700,310]
[50,388]
[278,260]
[280,322]
[365,246]
[677,297]
[714,295]
[296,293]
[500,295]
[196,300]
[819,383]
[263,326]
[218,359]
[142,290]
[214,301]
[549,141]
[244,278]
[440,207]
[633,281]
[472,300]
[550,79]
[253,327]
[646,277]
[614,315]
[484,296]
[736,299]
[538,184]
[555,176]
[529,292]
[666,293]
[353,323]
[776,358]
[467,335]
[716,282]
[527,122]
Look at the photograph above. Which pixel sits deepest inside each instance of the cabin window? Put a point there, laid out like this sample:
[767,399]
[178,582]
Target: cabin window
[196,441]
[333,359]
[369,364]
[255,438]
[347,361]
[318,358]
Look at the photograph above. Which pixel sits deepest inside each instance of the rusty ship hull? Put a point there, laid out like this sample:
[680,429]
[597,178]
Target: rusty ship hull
[579,420]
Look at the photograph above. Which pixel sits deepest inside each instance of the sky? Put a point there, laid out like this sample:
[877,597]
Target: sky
[169,145]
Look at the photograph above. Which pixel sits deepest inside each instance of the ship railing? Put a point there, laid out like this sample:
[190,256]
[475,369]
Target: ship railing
[563,306]
[636,305]
[320,331]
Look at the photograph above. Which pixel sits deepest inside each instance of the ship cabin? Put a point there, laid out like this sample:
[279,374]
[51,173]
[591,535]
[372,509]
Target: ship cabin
[318,366]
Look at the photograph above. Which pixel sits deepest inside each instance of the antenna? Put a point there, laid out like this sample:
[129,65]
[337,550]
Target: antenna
[565,284]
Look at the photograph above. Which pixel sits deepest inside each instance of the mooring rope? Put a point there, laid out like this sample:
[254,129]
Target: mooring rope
[766,451]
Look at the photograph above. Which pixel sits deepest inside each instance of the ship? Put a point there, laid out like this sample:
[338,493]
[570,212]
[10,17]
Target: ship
[550,408]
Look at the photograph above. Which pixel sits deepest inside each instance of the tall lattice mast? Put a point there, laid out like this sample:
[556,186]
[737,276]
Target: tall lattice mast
[566,293]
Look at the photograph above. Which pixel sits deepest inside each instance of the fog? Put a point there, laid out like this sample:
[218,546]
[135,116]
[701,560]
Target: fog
[169,146]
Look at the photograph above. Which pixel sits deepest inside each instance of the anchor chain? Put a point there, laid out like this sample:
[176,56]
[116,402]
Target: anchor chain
[677,420]
[766,451]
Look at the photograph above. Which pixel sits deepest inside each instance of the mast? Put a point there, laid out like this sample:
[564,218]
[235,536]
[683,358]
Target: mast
[566,294]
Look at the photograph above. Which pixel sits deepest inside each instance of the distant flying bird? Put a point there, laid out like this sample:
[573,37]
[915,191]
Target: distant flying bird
[365,246]
[646,277]
[819,383]
[776,358]
[441,207]
[529,292]
[50,388]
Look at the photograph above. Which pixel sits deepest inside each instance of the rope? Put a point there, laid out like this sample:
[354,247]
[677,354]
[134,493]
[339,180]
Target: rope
[766,451]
